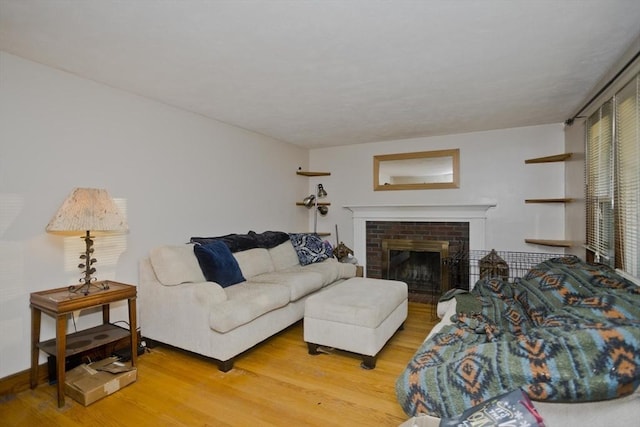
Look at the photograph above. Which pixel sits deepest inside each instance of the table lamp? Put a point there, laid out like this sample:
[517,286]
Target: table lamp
[87,210]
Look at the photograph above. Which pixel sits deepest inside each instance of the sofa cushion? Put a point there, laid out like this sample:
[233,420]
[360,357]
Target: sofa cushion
[309,247]
[246,302]
[254,261]
[300,283]
[284,256]
[329,269]
[174,265]
[218,264]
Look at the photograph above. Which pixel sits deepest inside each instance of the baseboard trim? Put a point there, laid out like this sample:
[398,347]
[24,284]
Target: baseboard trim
[20,381]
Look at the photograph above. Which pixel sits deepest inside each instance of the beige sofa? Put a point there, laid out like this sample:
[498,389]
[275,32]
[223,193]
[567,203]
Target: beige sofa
[624,411]
[564,306]
[177,306]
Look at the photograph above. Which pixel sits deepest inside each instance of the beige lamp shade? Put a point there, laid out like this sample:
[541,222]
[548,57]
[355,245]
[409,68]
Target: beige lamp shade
[88,209]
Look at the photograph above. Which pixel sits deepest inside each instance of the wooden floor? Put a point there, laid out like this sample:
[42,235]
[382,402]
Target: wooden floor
[275,384]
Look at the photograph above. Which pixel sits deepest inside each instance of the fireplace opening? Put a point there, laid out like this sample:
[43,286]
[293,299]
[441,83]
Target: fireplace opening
[418,263]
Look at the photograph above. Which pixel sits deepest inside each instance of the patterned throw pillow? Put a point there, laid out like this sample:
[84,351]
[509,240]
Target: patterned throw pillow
[310,248]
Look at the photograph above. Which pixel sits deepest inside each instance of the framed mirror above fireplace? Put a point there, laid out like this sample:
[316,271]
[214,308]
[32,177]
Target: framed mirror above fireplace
[421,170]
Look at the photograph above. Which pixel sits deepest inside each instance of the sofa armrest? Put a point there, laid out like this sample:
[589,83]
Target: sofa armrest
[173,265]
[202,292]
[208,293]
[445,310]
[347,270]
[179,314]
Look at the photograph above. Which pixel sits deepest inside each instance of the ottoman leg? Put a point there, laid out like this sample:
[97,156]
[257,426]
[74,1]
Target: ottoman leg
[313,348]
[368,362]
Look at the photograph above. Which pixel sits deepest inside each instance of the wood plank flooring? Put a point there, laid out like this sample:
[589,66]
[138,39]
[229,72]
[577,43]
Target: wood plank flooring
[275,384]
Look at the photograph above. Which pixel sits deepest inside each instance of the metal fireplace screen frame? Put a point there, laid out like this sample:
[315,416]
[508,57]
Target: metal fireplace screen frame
[466,268]
[440,247]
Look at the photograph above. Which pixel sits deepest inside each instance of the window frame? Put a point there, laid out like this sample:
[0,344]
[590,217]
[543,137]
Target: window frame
[612,180]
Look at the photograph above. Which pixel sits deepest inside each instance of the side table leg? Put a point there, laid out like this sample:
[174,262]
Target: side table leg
[36,316]
[133,329]
[61,344]
[105,314]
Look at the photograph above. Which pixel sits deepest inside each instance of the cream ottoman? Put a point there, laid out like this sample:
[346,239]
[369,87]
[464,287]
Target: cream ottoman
[358,315]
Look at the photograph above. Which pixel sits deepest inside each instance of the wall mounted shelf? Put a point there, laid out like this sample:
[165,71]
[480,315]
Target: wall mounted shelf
[560,200]
[548,159]
[319,233]
[319,204]
[547,242]
[307,173]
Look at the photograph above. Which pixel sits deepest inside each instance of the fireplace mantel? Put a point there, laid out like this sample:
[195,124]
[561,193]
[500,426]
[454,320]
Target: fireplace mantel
[475,214]
[434,212]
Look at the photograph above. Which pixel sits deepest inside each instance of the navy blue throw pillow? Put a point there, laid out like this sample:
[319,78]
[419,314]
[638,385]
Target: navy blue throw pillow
[218,264]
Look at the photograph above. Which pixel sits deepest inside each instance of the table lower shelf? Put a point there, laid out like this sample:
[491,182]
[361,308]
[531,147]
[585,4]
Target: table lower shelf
[86,339]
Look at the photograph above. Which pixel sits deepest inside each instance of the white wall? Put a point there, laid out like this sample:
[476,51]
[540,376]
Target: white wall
[492,168]
[179,174]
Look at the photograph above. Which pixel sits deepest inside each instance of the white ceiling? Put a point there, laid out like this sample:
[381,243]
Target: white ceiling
[322,73]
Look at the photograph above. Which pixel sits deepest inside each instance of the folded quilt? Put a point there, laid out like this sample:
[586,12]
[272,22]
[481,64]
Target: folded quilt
[566,332]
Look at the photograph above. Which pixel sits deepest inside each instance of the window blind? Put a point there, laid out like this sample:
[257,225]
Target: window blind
[627,177]
[599,184]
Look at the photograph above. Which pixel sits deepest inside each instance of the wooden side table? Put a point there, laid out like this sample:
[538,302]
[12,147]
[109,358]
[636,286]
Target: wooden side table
[59,303]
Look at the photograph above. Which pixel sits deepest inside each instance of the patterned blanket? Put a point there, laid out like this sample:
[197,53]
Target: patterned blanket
[566,332]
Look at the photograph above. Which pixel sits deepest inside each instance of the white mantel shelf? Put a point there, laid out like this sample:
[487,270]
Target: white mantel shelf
[473,213]
[421,211]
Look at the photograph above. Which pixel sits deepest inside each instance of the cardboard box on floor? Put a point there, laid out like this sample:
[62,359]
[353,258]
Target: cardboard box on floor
[88,383]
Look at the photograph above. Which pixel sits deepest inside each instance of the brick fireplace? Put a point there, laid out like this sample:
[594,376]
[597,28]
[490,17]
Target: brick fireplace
[423,244]
[454,223]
